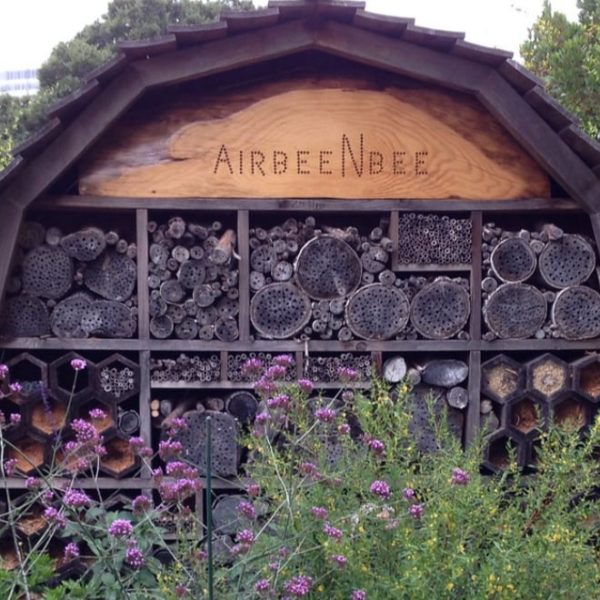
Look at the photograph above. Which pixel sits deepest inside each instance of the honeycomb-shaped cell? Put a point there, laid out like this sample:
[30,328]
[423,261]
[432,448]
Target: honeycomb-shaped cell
[502,379]
[548,377]
[48,416]
[500,446]
[120,459]
[586,377]
[31,373]
[105,424]
[29,452]
[572,414]
[116,379]
[525,415]
[65,381]
[9,558]
[32,522]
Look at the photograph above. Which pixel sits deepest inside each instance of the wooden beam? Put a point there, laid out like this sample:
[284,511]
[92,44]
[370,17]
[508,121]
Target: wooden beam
[540,140]
[10,222]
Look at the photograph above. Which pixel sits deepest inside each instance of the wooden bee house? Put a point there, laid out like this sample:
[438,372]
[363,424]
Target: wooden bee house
[311,179]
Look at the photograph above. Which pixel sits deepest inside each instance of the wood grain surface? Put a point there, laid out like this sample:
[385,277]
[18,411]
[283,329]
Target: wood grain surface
[331,138]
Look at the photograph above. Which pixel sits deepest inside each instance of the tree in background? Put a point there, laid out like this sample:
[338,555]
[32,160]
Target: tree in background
[71,61]
[567,56]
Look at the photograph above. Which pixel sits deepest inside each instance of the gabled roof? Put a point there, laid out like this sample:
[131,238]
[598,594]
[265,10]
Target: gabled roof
[338,27]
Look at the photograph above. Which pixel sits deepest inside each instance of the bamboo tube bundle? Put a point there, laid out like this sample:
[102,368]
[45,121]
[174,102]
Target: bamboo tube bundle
[195,368]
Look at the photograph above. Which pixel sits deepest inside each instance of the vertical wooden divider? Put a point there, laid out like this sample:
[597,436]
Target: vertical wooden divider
[223,360]
[243,225]
[299,364]
[145,393]
[474,388]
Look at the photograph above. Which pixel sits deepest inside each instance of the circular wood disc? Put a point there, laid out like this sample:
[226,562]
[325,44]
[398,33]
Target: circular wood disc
[47,272]
[24,316]
[67,315]
[377,312]
[576,313]
[161,327]
[440,310]
[513,260]
[515,310]
[280,310]
[328,268]
[567,261]
[112,276]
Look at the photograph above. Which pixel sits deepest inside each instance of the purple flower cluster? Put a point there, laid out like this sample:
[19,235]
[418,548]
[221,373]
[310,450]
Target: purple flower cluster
[97,414]
[253,490]
[344,428]
[460,477]
[247,509]
[308,468]
[78,364]
[3,371]
[15,387]
[339,560]
[319,512]
[376,446]
[10,466]
[283,360]
[76,499]
[134,557]
[333,532]
[381,488]
[140,504]
[358,595]
[306,386]
[120,528]
[71,552]
[325,415]
[416,511]
[15,419]
[347,375]
[178,490]
[280,401]
[169,448]
[86,447]
[262,585]
[408,493]
[298,586]
[54,517]
[252,367]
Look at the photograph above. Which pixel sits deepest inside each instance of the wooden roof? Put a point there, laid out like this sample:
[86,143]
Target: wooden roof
[337,27]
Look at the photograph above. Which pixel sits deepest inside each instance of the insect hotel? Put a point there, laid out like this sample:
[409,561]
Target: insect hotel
[313,179]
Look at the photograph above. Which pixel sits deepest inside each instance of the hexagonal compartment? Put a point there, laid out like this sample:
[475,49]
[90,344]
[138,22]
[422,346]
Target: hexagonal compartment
[31,373]
[109,423]
[31,454]
[116,379]
[525,415]
[65,381]
[502,378]
[572,414]
[496,454]
[548,376]
[32,522]
[120,460]
[48,416]
[586,377]
[9,559]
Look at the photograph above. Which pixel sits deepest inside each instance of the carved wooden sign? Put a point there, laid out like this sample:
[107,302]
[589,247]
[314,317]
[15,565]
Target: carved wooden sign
[338,143]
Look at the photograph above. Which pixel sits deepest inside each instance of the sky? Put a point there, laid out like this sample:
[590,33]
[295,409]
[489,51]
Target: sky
[29,29]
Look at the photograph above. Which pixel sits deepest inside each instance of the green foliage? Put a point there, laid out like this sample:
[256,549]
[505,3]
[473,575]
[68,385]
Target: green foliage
[71,61]
[11,112]
[567,56]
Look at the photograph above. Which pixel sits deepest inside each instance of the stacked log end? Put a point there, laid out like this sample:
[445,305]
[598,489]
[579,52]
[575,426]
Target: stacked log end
[536,284]
[193,279]
[74,285]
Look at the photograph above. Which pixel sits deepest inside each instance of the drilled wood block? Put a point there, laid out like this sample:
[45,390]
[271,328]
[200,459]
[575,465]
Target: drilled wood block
[112,276]
[576,313]
[24,316]
[513,260]
[47,272]
[567,261]
[328,268]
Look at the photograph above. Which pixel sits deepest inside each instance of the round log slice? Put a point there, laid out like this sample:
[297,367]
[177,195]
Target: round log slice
[107,318]
[377,312]
[24,316]
[513,260]
[86,244]
[515,310]
[67,315]
[111,276]
[567,261]
[47,272]
[328,268]
[280,310]
[243,406]
[191,273]
[576,313]
[440,310]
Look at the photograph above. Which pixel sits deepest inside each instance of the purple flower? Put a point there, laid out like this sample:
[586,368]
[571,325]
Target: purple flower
[332,532]
[54,517]
[298,586]
[347,396]
[339,560]
[15,387]
[245,536]
[253,490]
[120,528]
[78,364]
[325,415]
[319,512]
[76,498]
[253,366]
[178,468]
[84,431]
[280,401]
[71,552]
[15,419]
[416,511]
[181,591]
[262,585]
[177,425]
[136,442]
[141,504]
[358,595]
[97,414]
[408,493]
[377,447]
[460,477]
[344,428]
[10,466]
[308,468]
[284,360]
[3,371]
[262,418]
[169,448]
[32,483]
[265,387]
[274,372]
[346,374]
[247,509]
[176,491]
[134,557]
[381,489]
[306,386]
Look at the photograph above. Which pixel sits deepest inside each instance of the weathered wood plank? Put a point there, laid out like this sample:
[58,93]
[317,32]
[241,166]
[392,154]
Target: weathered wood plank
[141,221]
[474,388]
[475,330]
[243,225]
[144,402]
